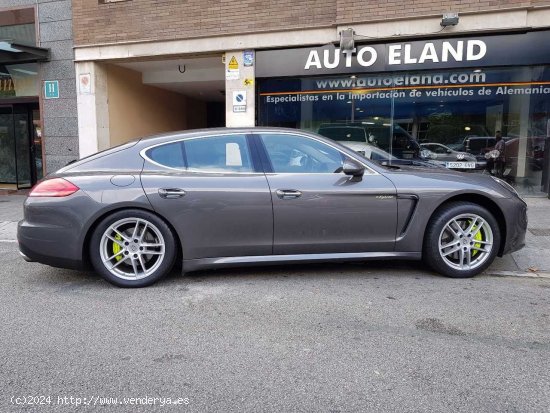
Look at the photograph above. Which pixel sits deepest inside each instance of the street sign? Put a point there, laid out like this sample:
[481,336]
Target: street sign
[248,58]
[232,72]
[233,64]
[51,89]
[239,101]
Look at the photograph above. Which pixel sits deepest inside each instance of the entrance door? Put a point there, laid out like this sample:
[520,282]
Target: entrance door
[17,133]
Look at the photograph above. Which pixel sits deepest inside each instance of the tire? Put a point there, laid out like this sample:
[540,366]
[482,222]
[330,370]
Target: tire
[462,239]
[132,248]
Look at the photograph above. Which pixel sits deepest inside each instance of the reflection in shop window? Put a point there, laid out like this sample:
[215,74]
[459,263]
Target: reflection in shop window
[460,109]
[19,80]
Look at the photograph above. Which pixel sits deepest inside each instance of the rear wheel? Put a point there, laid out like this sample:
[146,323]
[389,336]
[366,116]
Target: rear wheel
[132,248]
[462,240]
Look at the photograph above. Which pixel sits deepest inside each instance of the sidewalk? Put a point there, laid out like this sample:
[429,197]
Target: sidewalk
[534,258]
[11,211]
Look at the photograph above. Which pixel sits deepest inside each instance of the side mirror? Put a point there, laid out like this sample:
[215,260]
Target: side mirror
[353,168]
[449,151]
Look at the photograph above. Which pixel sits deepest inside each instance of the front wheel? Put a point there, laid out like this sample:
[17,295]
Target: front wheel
[462,240]
[132,248]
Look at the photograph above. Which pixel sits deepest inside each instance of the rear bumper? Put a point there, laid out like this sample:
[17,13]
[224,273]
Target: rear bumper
[25,257]
[47,245]
[53,229]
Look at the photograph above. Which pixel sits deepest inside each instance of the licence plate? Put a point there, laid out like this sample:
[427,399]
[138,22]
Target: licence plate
[461,165]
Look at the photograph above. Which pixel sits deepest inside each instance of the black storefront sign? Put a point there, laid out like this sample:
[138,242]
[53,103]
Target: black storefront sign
[531,48]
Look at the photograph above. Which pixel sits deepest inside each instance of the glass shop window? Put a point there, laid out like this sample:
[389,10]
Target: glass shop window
[440,119]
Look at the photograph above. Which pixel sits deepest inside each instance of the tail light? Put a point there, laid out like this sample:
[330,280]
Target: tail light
[56,187]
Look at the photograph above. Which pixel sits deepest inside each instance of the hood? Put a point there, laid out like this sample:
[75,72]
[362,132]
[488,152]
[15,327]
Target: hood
[410,178]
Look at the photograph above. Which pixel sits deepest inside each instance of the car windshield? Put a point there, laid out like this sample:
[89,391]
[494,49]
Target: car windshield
[377,140]
[380,155]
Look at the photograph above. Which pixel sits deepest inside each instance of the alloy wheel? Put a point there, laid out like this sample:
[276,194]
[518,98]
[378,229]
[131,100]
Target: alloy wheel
[466,242]
[132,248]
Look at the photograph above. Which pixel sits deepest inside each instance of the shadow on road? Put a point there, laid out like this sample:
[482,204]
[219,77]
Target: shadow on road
[67,279]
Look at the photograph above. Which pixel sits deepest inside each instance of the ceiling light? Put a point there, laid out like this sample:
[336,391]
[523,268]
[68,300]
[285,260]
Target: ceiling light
[7,47]
[27,72]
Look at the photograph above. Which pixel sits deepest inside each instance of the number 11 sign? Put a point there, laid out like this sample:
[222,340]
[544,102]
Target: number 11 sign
[51,89]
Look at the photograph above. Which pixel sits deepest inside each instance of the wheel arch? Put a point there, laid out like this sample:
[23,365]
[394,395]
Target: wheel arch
[482,201]
[87,238]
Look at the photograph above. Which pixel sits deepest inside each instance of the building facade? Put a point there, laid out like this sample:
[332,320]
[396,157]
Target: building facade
[409,85]
[38,116]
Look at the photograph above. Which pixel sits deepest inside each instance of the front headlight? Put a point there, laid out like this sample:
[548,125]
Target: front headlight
[506,185]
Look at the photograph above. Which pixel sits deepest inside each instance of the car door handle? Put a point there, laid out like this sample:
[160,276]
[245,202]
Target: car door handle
[288,193]
[171,193]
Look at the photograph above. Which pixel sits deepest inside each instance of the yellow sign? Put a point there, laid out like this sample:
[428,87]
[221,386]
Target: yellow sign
[233,64]
[248,82]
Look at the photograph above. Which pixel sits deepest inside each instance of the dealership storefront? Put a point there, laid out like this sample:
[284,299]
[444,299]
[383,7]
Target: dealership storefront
[20,127]
[449,95]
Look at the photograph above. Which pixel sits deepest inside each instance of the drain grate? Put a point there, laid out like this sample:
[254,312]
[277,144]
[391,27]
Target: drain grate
[540,232]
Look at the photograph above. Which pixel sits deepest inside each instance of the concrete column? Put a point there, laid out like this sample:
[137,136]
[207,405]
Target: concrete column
[518,113]
[242,79]
[93,107]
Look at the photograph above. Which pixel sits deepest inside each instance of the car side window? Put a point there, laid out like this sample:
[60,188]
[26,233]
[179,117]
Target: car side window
[438,149]
[171,155]
[227,153]
[298,154]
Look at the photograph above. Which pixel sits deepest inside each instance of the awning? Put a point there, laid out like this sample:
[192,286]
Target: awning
[14,53]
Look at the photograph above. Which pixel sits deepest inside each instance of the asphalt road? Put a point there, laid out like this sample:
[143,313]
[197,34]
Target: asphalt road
[323,338]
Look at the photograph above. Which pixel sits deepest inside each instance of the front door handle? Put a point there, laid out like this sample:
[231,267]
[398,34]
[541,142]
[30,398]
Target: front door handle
[171,193]
[288,193]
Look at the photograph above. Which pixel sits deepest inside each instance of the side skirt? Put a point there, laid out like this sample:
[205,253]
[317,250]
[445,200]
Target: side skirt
[226,262]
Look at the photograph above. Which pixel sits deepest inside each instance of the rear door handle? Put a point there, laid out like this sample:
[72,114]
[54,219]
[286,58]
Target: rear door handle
[171,193]
[288,193]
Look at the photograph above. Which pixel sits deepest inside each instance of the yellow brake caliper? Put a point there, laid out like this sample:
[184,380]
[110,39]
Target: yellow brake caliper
[477,237]
[117,247]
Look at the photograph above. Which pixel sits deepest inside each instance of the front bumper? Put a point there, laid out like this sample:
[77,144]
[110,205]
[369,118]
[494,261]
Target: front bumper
[515,214]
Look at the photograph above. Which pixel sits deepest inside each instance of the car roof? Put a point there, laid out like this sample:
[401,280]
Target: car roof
[154,140]
[159,138]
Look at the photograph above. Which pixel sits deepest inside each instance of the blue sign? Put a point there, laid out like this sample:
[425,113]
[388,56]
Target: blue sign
[248,58]
[51,89]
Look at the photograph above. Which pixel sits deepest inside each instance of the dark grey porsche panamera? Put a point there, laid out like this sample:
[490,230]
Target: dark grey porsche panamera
[234,197]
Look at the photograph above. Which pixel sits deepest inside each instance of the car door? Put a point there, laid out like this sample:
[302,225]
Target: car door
[319,209]
[210,189]
[442,153]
